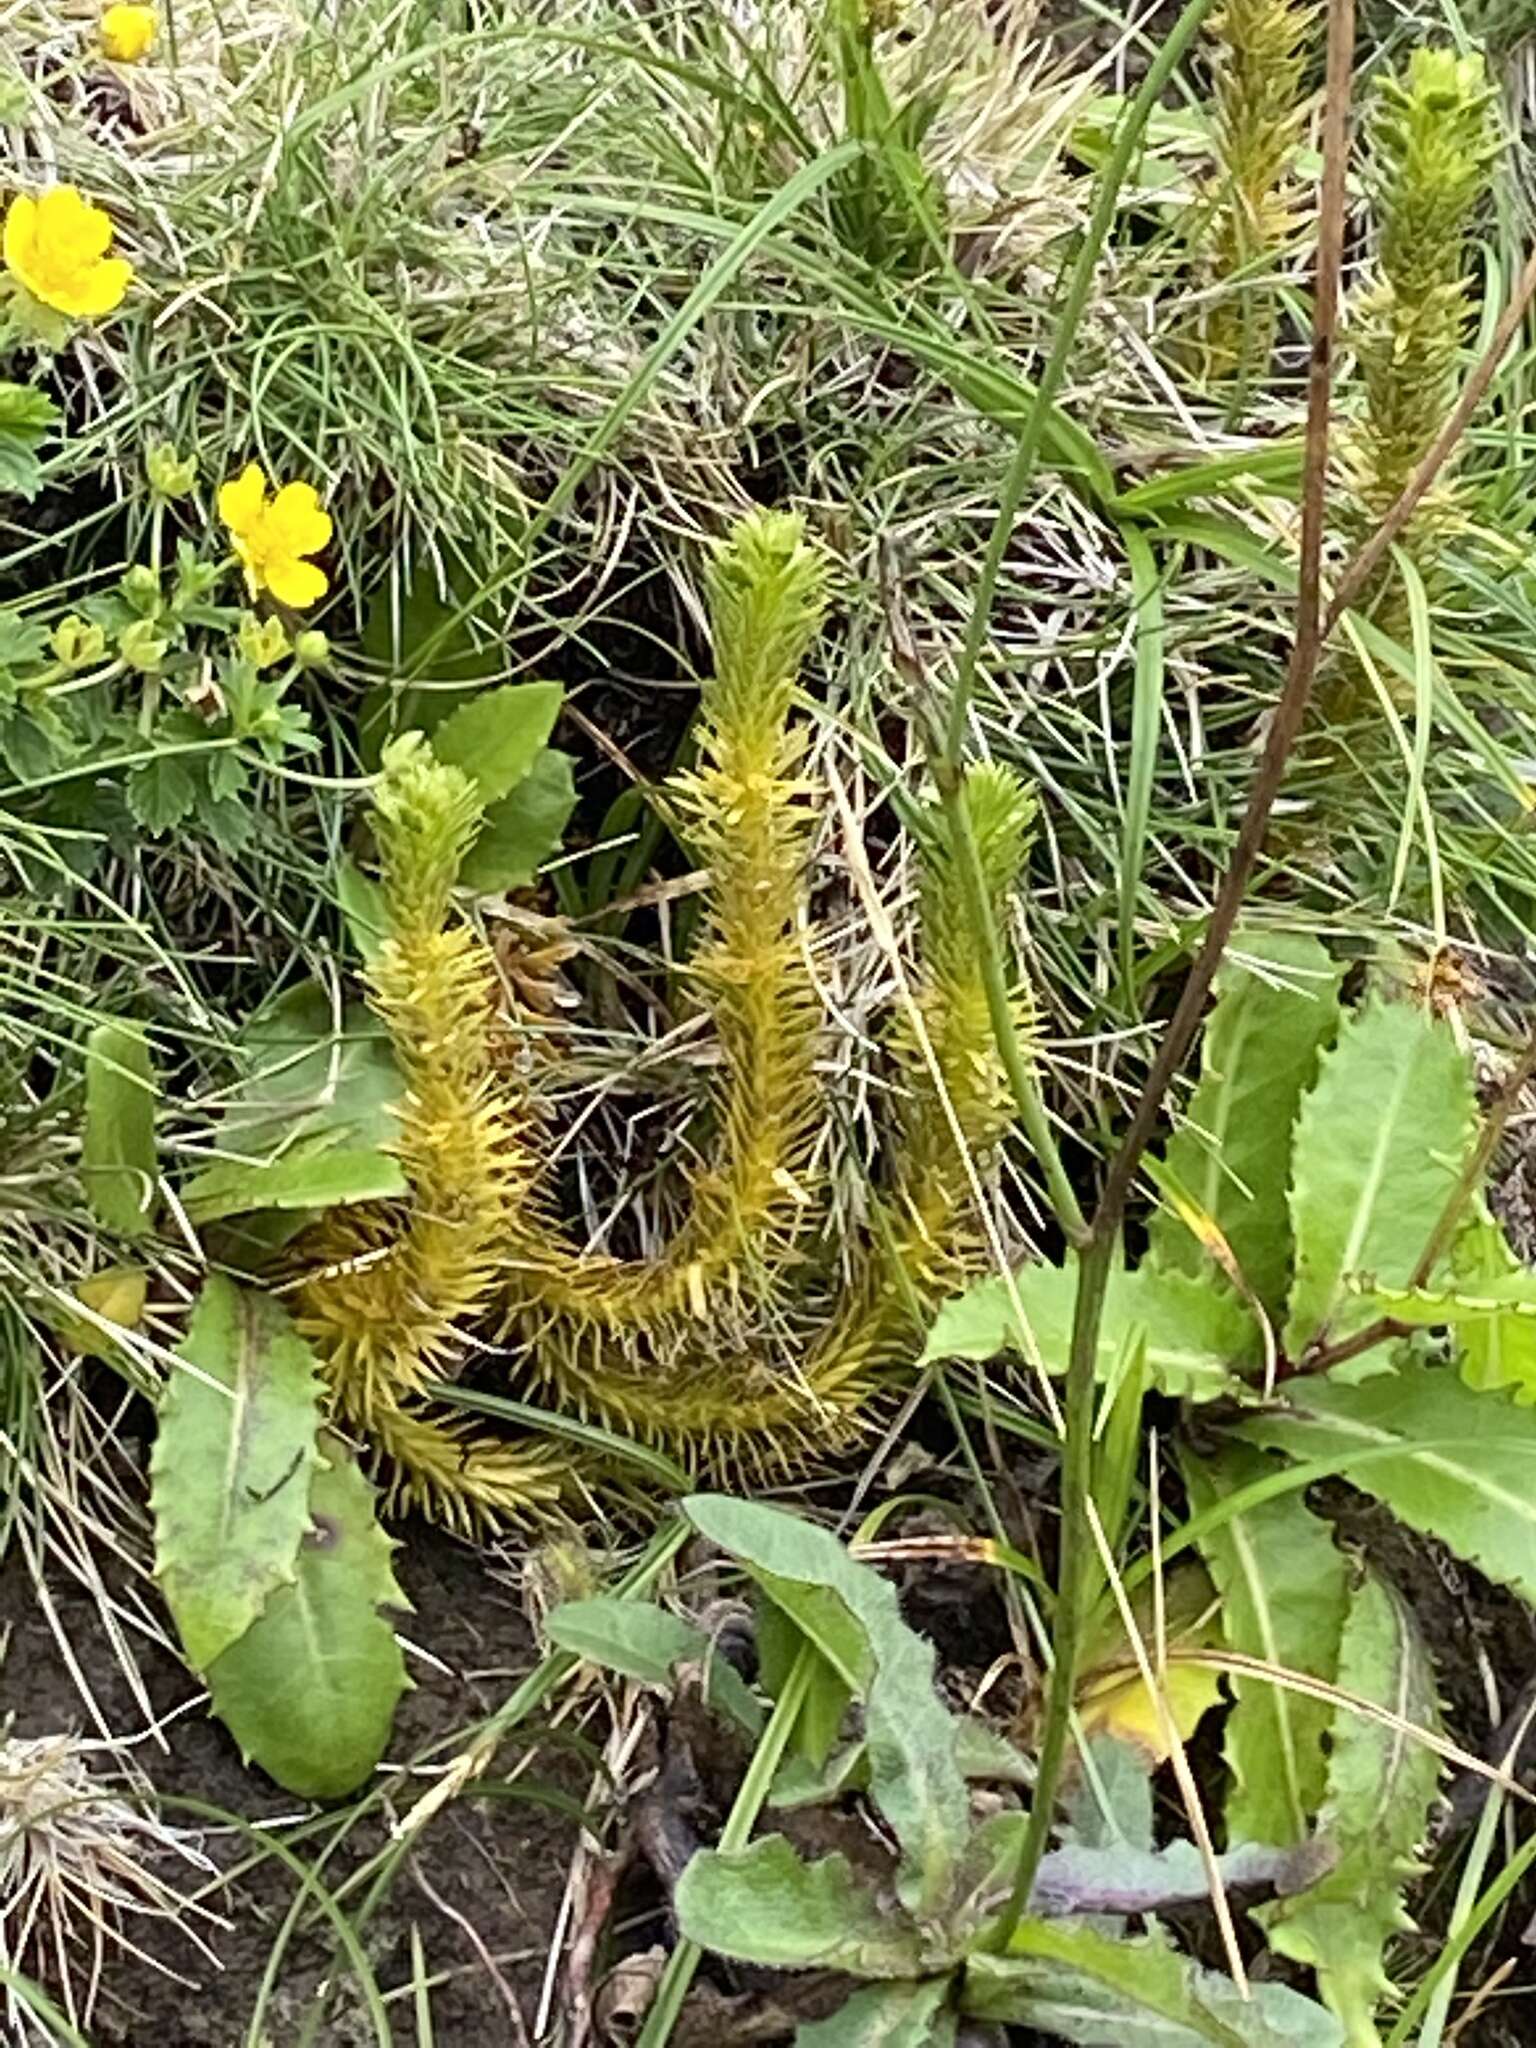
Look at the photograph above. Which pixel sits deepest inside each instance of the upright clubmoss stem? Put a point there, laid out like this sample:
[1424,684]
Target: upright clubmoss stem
[1076,1557]
[1022,1080]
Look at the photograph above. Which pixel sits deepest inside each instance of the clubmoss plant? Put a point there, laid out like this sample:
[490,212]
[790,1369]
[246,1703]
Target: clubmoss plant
[754,1335]
[1259,51]
[1433,141]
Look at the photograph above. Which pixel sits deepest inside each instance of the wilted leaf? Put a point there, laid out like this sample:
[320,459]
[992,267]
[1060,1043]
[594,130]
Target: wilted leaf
[1284,1593]
[888,2016]
[914,1773]
[1078,1985]
[1381,1784]
[117,1157]
[309,1691]
[1121,1706]
[231,1464]
[766,1905]
[1196,1331]
[1449,1462]
[1380,1143]
[1276,1004]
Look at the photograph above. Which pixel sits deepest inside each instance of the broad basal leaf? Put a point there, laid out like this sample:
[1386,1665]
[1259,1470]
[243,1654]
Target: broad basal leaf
[311,1123]
[117,1156]
[1276,1004]
[519,834]
[888,2016]
[231,1465]
[1284,1592]
[1449,1462]
[1075,1984]
[1380,1142]
[1381,1785]
[1196,1331]
[767,1905]
[498,735]
[915,1777]
[309,1691]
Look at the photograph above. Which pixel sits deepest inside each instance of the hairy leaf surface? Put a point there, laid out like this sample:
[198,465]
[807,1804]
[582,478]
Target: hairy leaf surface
[767,1905]
[915,1776]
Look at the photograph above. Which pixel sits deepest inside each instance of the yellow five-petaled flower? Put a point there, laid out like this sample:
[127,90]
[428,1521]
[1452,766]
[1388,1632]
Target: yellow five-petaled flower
[273,534]
[127,32]
[56,248]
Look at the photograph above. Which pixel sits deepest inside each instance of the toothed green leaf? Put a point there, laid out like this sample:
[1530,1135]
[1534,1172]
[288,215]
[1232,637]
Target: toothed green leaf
[1196,1330]
[309,1691]
[1449,1462]
[1499,1351]
[1284,1594]
[767,1905]
[1381,1785]
[1276,1005]
[1076,1984]
[118,1162]
[231,1464]
[1380,1142]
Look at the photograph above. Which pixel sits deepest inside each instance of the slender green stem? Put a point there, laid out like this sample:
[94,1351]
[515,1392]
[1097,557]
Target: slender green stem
[751,1797]
[1076,1552]
[1073,1583]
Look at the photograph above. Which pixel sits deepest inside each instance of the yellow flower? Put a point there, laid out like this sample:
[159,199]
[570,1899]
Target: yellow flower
[56,249]
[127,32]
[272,535]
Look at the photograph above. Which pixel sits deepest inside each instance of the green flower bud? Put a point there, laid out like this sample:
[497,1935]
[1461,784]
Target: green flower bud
[77,643]
[141,646]
[170,475]
[141,588]
[312,649]
[262,641]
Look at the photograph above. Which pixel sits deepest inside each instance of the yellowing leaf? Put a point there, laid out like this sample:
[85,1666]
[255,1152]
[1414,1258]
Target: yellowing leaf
[117,1295]
[1120,1704]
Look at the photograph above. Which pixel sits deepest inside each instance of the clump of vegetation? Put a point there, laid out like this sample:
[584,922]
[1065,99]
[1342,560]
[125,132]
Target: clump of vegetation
[630,675]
